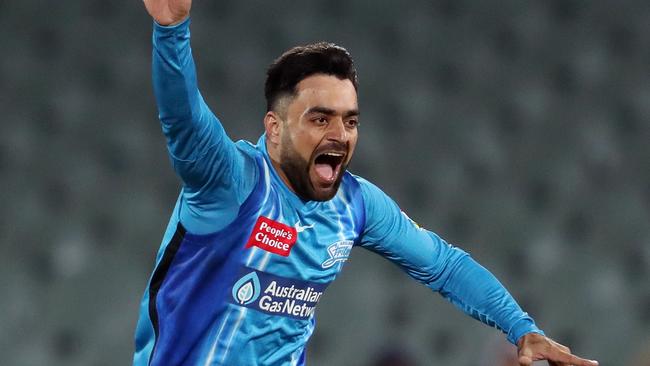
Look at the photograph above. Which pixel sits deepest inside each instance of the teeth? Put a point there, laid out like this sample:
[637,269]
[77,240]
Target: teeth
[338,155]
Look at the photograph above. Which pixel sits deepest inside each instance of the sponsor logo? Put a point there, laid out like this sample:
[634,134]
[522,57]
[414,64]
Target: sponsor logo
[300,228]
[338,252]
[272,236]
[277,295]
[247,289]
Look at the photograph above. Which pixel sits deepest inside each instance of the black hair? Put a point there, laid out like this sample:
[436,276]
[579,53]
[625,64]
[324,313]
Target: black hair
[301,62]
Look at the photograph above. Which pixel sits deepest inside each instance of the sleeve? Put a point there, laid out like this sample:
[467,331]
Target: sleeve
[217,177]
[443,268]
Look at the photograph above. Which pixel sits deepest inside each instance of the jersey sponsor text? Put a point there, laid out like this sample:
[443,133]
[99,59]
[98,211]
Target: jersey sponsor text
[280,296]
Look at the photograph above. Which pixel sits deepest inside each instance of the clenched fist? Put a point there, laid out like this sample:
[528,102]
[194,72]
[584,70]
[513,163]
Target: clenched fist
[168,12]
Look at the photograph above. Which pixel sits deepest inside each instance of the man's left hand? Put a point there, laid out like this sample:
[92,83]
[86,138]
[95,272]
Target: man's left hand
[535,347]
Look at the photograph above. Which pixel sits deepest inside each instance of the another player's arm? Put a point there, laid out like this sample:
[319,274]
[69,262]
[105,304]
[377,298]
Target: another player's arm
[216,175]
[452,272]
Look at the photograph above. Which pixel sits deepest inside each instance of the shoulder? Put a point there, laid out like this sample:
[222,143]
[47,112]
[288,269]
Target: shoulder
[350,199]
[352,186]
[250,167]
[366,189]
[366,196]
[248,148]
[379,208]
[250,154]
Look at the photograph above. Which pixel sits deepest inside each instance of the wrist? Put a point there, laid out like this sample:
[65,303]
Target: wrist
[172,25]
[522,327]
[523,338]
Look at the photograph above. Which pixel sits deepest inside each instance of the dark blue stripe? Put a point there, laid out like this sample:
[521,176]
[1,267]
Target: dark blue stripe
[159,276]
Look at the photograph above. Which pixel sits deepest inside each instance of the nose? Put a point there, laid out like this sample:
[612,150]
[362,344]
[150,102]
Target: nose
[337,131]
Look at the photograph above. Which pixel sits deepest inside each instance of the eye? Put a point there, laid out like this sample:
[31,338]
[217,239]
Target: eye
[322,120]
[352,123]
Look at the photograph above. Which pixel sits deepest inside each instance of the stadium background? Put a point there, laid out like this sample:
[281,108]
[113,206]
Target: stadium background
[518,130]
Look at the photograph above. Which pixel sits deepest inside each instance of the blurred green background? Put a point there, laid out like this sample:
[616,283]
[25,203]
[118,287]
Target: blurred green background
[519,131]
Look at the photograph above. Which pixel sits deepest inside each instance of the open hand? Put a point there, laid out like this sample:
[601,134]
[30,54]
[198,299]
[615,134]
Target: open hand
[168,12]
[535,347]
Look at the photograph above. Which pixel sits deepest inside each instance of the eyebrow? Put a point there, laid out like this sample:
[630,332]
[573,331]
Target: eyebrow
[332,112]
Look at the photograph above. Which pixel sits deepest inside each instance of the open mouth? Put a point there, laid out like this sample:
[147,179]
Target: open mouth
[328,165]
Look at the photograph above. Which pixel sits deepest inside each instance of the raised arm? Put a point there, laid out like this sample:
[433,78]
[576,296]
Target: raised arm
[452,272]
[217,176]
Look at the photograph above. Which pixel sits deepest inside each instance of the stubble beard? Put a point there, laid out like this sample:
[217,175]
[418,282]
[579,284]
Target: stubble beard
[296,169]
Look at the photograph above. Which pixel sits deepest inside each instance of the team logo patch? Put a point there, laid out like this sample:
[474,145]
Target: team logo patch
[273,236]
[338,252]
[276,295]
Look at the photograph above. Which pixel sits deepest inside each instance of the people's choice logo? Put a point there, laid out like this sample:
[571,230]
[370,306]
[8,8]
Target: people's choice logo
[338,252]
[272,236]
[247,289]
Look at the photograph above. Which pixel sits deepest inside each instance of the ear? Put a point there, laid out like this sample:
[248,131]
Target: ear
[272,126]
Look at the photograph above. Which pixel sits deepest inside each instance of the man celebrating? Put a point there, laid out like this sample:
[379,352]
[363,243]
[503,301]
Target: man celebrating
[259,231]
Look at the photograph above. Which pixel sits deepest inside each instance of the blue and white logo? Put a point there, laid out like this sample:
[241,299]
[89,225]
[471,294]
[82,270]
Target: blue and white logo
[247,289]
[339,252]
[275,295]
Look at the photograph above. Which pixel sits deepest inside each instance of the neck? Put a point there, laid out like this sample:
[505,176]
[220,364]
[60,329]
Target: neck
[274,156]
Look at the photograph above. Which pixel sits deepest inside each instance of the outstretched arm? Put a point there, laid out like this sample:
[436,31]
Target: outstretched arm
[217,176]
[452,272]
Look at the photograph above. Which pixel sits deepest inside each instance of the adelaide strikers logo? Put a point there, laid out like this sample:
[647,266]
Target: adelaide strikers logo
[247,289]
[338,252]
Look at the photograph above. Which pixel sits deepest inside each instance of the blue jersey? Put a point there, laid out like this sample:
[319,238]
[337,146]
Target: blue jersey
[244,261]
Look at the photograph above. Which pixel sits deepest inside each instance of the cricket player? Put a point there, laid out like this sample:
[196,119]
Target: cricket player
[260,230]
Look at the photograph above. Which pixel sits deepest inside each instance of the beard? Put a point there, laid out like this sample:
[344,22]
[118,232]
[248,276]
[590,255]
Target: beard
[297,171]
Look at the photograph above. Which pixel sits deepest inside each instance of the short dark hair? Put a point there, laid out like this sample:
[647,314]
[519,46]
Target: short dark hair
[301,62]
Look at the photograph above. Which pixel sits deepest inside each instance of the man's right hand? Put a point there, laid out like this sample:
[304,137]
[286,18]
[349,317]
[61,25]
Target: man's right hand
[168,12]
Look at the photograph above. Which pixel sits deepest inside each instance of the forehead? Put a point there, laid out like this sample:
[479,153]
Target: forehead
[326,91]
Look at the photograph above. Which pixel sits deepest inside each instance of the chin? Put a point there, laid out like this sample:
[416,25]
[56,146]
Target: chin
[325,192]
[304,180]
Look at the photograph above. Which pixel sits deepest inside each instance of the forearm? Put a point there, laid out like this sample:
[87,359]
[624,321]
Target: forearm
[174,74]
[190,127]
[478,293]
[442,267]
